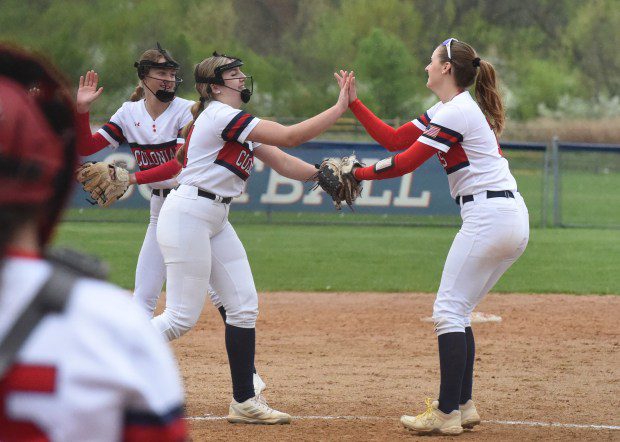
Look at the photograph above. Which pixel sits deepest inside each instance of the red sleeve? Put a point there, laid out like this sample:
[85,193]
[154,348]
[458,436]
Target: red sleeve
[159,173]
[397,165]
[87,143]
[384,134]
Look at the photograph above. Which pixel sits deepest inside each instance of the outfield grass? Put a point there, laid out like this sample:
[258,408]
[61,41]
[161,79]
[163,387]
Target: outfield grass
[375,258]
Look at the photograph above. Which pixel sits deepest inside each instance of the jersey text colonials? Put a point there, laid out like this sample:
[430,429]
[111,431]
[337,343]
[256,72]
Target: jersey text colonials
[151,155]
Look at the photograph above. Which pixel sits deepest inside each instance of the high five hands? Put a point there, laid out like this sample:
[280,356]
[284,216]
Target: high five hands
[344,82]
[343,78]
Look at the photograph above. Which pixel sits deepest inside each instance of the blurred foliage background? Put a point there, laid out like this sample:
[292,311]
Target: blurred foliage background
[557,59]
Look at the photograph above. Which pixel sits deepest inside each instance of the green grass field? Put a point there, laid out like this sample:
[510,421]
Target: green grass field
[374,258]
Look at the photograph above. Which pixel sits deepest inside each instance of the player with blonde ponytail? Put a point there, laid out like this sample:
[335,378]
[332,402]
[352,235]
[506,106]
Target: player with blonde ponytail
[199,244]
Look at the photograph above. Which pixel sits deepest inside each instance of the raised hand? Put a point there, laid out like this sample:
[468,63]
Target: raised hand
[87,91]
[340,78]
[343,81]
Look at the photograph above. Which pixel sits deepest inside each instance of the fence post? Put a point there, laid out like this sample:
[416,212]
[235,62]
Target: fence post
[555,158]
[545,187]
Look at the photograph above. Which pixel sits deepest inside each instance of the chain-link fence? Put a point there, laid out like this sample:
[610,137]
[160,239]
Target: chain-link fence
[586,180]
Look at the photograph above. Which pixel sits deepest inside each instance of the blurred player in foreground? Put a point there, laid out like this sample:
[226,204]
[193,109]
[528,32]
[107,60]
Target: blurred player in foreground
[78,360]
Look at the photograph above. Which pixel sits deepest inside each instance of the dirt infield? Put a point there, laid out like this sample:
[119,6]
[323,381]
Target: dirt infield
[347,365]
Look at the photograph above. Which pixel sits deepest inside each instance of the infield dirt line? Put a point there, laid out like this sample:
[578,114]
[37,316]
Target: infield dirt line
[370,418]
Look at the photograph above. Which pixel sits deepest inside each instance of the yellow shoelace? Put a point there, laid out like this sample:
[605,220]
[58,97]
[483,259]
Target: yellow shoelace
[429,409]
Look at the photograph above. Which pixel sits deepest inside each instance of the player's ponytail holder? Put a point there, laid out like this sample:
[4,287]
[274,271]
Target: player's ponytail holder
[202,100]
[476,62]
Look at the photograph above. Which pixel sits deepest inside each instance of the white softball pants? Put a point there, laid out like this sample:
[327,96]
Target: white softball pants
[200,247]
[151,269]
[493,236]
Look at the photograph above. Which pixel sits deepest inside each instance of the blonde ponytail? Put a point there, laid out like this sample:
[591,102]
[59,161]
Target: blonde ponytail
[197,108]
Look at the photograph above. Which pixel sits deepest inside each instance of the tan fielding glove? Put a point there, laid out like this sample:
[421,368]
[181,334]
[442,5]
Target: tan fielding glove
[104,182]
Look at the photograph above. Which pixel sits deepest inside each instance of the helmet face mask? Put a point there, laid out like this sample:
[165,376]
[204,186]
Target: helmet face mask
[218,79]
[144,66]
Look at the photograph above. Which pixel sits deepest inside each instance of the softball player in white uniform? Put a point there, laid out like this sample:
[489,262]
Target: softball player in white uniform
[495,231]
[151,123]
[198,243]
[94,370]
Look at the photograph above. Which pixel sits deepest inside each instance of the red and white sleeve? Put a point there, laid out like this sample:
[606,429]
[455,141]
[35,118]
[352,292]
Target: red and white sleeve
[397,165]
[384,134]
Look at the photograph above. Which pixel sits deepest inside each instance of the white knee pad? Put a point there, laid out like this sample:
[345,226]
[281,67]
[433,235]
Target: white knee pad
[171,326]
[242,317]
[449,324]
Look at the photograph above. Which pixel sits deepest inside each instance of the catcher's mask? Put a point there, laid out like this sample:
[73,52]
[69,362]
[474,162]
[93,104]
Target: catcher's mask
[217,78]
[144,66]
[37,137]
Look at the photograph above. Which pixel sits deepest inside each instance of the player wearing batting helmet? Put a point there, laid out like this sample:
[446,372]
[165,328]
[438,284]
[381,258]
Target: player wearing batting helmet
[78,361]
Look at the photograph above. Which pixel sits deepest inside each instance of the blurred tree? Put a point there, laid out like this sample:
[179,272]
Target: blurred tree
[542,49]
[593,38]
[386,73]
[263,23]
[329,39]
[541,82]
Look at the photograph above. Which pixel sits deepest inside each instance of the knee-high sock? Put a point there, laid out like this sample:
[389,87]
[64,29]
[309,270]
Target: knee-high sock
[468,376]
[240,344]
[222,311]
[452,359]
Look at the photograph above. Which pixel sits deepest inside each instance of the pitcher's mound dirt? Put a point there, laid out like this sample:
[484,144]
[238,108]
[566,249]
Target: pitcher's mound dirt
[367,358]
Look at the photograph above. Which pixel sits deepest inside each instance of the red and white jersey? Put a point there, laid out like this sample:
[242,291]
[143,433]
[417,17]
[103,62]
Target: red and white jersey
[153,142]
[96,372]
[219,160]
[469,151]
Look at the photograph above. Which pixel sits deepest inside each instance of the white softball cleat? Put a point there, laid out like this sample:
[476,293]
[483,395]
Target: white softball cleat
[434,421]
[255,411]
[259,385]
[469,415]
